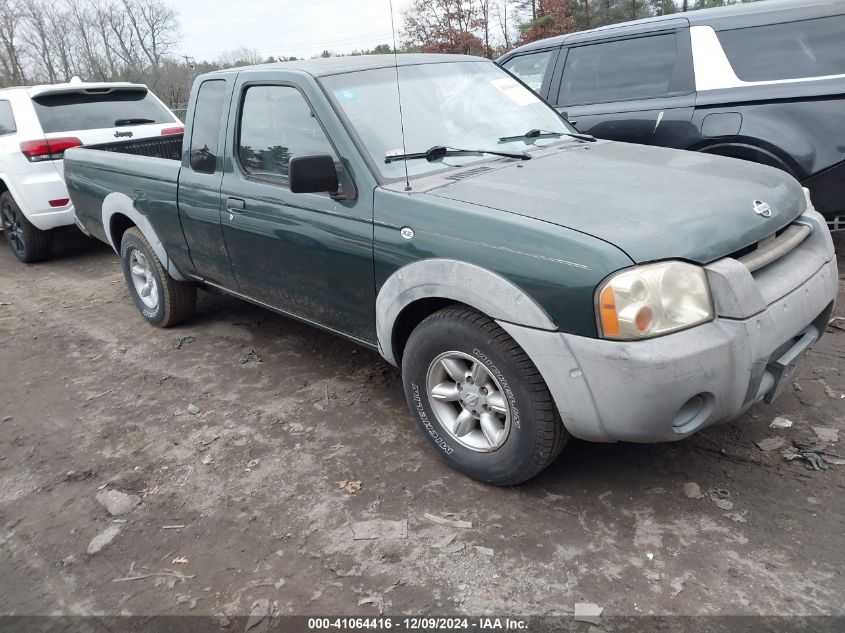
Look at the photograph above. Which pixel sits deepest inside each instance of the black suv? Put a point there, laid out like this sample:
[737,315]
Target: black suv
[763,81]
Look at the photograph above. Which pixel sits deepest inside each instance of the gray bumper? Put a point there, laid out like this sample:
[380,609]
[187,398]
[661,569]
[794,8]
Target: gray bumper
[667,388]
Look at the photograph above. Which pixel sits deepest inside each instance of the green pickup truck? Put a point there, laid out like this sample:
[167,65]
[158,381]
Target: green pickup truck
[531,282]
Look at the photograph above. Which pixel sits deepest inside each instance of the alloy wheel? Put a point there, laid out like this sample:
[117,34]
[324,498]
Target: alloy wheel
[143,279]
[469,401]
[13,229]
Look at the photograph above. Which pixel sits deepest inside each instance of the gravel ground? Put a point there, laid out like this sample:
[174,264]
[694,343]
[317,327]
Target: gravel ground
[241,439]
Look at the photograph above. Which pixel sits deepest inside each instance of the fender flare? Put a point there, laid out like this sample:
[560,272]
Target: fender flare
[117,202]
[458,281]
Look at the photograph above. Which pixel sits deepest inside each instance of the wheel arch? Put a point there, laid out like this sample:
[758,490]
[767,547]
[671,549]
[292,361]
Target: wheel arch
[6,185]
[419,289]
[120,214]
[753,151]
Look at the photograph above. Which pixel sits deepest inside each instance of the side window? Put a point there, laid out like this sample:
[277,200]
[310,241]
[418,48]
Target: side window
[206,128]
[809,48]
[638,68]
[277,123]
[7,119]
[530,68]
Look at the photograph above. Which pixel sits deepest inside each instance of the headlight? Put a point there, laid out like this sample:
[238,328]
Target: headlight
[653,299]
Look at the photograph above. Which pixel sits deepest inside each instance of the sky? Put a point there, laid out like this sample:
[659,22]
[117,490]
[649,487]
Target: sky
[300,28]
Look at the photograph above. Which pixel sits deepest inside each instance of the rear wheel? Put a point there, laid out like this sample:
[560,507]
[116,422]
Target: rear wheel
[162,300]
[28,243]
[479,399]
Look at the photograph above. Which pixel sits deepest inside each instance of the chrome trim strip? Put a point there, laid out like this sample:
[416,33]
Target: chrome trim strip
[774,250]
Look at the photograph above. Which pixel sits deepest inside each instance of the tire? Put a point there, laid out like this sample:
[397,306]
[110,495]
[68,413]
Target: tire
[166,301]
[28,243]
[517,444]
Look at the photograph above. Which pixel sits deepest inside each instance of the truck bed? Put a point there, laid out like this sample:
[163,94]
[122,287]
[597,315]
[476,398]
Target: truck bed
[137,180]
[169,147]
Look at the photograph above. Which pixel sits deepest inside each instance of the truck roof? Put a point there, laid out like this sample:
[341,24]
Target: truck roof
[720,18]
[338,65]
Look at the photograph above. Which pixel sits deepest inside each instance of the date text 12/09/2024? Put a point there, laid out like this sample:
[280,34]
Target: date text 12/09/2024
[418,623]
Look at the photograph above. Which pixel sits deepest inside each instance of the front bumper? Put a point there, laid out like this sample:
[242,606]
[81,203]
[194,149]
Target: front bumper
[666,388]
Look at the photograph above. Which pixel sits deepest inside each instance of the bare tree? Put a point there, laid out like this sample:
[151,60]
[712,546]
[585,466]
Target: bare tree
[240,57]
[86,32]
[155,27]
[37,41]
[11,63]
[502,12]
[116,44]
[61,47]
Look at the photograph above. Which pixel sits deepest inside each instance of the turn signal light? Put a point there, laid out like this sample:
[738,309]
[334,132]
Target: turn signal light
[607,311]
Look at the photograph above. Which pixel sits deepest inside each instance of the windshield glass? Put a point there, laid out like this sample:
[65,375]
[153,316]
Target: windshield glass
[466,105]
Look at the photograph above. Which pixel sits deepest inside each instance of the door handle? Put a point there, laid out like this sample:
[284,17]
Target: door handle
[235,204]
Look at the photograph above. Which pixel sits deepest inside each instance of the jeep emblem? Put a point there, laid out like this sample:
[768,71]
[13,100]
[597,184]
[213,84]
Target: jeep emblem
[762,209]
[119,134]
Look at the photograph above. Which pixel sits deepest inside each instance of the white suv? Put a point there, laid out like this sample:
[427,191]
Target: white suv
[37,124]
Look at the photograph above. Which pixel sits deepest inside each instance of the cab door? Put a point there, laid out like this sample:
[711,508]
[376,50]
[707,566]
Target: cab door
[199,183]
[308,255]
[637,88]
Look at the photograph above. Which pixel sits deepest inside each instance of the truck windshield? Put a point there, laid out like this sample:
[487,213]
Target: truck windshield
[455,104]
[71,111]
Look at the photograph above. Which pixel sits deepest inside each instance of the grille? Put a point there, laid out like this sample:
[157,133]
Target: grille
[837,223]
[772,248]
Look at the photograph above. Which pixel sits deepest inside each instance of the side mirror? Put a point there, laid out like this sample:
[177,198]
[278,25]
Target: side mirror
[312,174]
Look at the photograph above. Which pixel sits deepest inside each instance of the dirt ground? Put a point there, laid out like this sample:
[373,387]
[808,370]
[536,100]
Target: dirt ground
[92,397]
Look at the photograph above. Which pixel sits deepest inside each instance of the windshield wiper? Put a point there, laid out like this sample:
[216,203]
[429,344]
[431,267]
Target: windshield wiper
[439,151]
[123,122]
[530,134]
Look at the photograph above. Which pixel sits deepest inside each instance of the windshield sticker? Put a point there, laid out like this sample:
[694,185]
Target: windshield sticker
[347,95]
[520,95]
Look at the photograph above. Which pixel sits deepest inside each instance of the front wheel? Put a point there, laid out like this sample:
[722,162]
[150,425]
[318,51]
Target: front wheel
[479,399]
[29,243]
[162,300]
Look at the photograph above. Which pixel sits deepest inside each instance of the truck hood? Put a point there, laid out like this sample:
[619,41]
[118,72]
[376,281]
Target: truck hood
[652,203]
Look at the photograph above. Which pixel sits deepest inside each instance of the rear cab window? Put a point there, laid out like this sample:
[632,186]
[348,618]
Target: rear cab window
[93,110]
[530,68]
[621,70]
[7,119]
[790,50]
